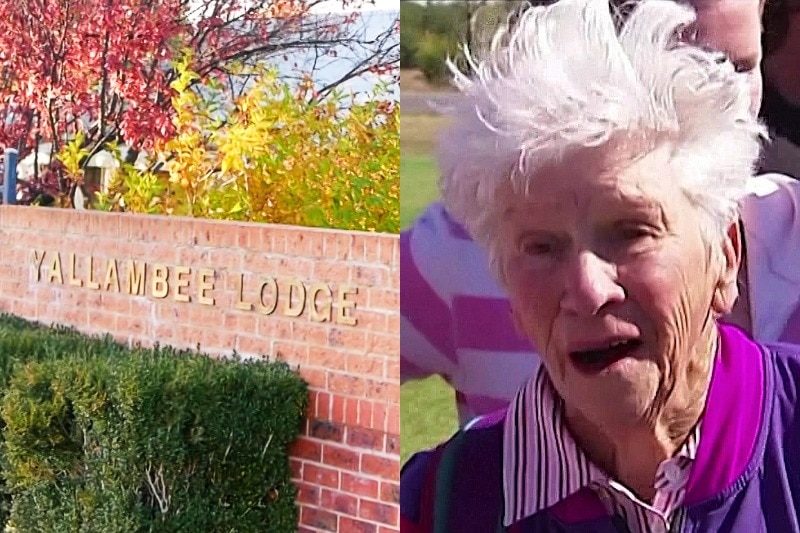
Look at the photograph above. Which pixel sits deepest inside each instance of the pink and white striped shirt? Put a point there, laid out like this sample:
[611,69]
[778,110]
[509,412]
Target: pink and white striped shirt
[542,465]
[455,319]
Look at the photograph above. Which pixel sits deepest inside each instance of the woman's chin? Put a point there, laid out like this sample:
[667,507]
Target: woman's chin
[623,388]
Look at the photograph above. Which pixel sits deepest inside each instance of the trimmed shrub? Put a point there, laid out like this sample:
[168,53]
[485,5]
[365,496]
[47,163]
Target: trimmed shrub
[157,441]
[22,341]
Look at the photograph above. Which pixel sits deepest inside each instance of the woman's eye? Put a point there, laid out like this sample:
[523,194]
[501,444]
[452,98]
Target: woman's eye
[635,233]
[632,233]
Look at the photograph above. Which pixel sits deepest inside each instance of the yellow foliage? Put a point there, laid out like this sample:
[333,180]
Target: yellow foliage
[72,155]
[281,158]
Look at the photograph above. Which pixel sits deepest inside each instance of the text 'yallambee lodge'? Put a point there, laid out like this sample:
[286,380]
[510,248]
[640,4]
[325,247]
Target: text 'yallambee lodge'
[267,294]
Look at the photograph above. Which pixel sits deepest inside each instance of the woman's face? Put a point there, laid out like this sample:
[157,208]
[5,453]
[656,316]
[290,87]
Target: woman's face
[612,280]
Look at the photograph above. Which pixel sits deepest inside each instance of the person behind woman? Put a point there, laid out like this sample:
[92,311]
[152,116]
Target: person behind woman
[603,171]
[455,321]
[781,107]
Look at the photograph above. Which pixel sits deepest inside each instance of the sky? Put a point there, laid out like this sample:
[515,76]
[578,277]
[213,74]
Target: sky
[335,6]
[376,18]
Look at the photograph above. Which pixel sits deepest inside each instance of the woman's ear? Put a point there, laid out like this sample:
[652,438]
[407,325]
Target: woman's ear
[727,290]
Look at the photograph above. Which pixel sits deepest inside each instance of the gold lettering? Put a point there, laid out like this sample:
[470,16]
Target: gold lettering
[341,316]
[297,310]
[182,283]
[111,272]
[240,303]
[37,262]
[92,284]
[263,307]
[136,277]
[75,282]
[160,281]
[55,270]
[325,314]
[319,297]
[204,285]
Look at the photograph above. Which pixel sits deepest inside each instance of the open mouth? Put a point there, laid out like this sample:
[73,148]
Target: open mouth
[595,360]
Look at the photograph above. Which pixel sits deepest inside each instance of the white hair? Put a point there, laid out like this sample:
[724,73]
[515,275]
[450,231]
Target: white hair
[572,75]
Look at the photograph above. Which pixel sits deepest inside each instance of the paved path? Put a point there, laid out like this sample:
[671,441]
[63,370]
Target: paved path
[418,102]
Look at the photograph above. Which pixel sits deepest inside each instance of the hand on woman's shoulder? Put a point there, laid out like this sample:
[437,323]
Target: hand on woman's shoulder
[772,203]
[773,182]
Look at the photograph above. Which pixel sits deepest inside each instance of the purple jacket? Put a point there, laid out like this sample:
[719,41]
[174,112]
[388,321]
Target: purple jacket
[745,479]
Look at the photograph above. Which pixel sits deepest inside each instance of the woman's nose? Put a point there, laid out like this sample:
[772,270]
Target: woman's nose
[591,285]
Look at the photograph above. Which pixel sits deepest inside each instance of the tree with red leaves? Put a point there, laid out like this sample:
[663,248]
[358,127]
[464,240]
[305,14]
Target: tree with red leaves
[104,67]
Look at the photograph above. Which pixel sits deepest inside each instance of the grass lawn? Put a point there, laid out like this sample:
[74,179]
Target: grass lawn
[418,175]
[427,415]
[427,407]
[418,172]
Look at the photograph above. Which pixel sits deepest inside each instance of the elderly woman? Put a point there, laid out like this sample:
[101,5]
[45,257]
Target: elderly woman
[602,169]
[445,311]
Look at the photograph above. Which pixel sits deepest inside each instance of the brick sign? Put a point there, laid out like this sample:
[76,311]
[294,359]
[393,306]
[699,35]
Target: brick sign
[326,302]
[266,295]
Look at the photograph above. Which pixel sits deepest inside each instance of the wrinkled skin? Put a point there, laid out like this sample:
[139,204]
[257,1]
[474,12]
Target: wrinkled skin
[610,247]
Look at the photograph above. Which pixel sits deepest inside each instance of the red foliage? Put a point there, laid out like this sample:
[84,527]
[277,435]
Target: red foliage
[104,66]
[69,64]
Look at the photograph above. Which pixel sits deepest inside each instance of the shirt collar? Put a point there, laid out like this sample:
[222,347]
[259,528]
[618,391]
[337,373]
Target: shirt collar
[542,463]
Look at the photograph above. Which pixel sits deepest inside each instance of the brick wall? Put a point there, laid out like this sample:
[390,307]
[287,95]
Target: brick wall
[187,282]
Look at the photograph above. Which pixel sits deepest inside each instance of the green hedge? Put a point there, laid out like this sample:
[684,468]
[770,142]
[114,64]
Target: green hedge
[100,438]
[22,342]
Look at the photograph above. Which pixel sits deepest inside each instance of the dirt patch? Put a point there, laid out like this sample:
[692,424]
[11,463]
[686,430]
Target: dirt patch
[419,133]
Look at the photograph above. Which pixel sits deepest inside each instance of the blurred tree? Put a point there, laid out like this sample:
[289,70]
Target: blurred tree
[412,15]
[435,30]
[431,52]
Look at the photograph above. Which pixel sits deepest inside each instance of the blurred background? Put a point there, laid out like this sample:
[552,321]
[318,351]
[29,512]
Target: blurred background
[431,32]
